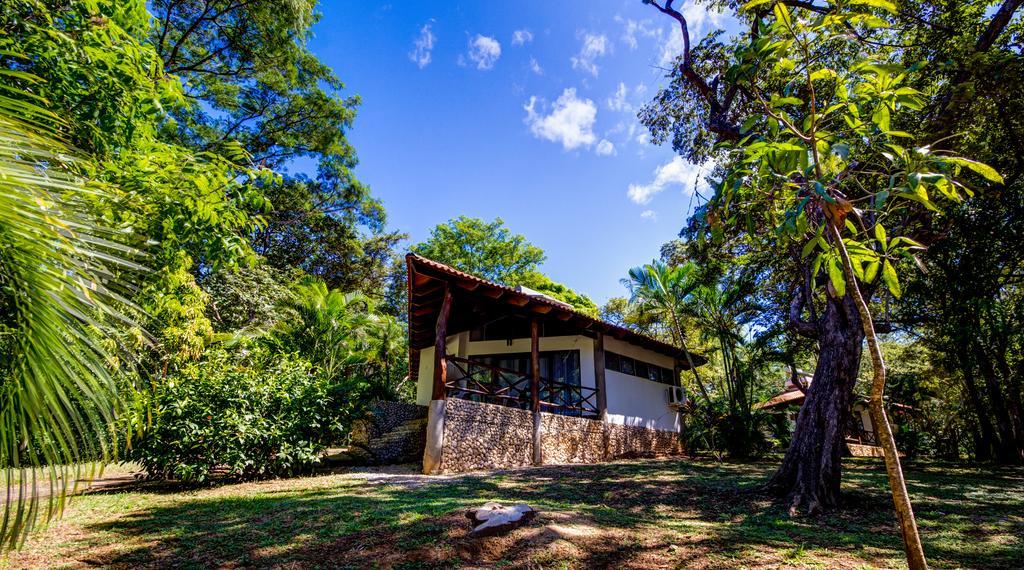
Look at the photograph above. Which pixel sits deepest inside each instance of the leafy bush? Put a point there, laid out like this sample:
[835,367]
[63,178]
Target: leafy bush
[242,414]
[716,429]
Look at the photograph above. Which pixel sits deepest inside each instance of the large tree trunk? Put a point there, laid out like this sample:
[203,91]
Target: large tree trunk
[1007,451]
[811,471]
[985,436]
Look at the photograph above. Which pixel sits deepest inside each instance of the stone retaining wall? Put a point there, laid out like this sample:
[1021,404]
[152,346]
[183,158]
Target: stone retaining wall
[635,441]
[391,432]
[565,439]
[485,436]
[480,436]
[383,417]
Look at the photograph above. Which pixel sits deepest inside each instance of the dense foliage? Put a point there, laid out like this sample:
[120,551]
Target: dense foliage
[836,155]
[241,416]
[147,172]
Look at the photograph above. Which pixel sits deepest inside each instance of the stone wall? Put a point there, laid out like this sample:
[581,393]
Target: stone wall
[485,436]
[635,441]
[384,417]
[565,439]
[392,432]
[480,436]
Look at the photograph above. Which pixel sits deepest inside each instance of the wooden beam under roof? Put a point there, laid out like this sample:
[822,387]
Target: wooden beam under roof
[422,311]
[518,301]
[420,279]
[468,285]
[423,292]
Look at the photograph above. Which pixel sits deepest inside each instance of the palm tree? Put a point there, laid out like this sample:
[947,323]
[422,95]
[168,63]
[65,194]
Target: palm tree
[720,308]
[663,290]
[61,303]
[345,337]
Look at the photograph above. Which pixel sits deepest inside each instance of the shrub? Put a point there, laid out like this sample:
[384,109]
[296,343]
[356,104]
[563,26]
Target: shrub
[241,414]
[719,430]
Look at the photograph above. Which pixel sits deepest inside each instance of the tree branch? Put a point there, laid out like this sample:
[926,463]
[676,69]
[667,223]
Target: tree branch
[796,322]
[718,121]
[998,23]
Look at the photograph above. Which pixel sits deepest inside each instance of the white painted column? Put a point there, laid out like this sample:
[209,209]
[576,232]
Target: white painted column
[435,437]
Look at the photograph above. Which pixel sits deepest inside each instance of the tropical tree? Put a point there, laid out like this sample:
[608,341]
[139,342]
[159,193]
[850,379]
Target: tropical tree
[344,335]
[661,290]
[253,82]
[817,159]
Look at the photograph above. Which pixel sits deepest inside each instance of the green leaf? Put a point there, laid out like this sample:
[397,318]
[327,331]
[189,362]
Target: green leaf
[754,4]
[984,170]
[835,274]
[910,242]
[871,271]
[881,4]
[780,101]
[881,117]
[781,12]
[823,74]
[808,248]
[890,279]
[880,235]
[816,265]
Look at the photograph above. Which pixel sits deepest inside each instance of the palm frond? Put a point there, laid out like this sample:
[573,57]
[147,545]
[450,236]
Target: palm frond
[59,299]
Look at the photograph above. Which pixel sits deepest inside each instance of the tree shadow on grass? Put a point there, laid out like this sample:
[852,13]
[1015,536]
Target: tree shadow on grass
[636,514]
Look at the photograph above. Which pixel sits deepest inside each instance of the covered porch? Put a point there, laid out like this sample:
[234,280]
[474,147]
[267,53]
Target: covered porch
[529,351]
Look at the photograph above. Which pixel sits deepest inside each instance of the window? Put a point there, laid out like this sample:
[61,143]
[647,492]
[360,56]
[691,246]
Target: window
[627,365]
[611,360]
[645,370]
[654,373]
[558,365]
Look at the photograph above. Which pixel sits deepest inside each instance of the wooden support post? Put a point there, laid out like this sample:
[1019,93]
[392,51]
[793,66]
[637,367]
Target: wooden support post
[538,456]
[534,365]
[440,343]
[599,382]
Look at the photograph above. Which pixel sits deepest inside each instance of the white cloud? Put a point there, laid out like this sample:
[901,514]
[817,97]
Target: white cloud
[632,29]
[422,46]
[571,121]
[535,67]
[649,215]
[676,171]
[484,51]
[522,37]
[605,148]
[594,46]
[618,102]
[699,21]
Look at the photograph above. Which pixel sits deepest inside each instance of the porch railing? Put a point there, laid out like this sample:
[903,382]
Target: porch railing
[861,436]
[479,382]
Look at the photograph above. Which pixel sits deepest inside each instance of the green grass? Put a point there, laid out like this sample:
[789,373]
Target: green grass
[643,514]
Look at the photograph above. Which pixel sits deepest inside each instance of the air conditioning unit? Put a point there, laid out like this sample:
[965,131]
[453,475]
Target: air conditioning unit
[676,396]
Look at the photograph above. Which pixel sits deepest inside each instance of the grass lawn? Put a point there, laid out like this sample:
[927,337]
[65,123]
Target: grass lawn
[639,514]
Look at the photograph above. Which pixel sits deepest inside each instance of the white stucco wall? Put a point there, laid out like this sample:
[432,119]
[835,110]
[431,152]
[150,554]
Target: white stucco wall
[635,401]
[631,400]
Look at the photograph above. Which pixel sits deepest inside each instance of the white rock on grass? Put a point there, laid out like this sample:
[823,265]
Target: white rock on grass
[494,518]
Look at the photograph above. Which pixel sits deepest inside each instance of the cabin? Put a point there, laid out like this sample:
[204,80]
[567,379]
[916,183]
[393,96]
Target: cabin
[512,377]
[860,437]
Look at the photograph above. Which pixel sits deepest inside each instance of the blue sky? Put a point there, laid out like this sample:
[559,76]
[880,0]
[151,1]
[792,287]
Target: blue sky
[525,112]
